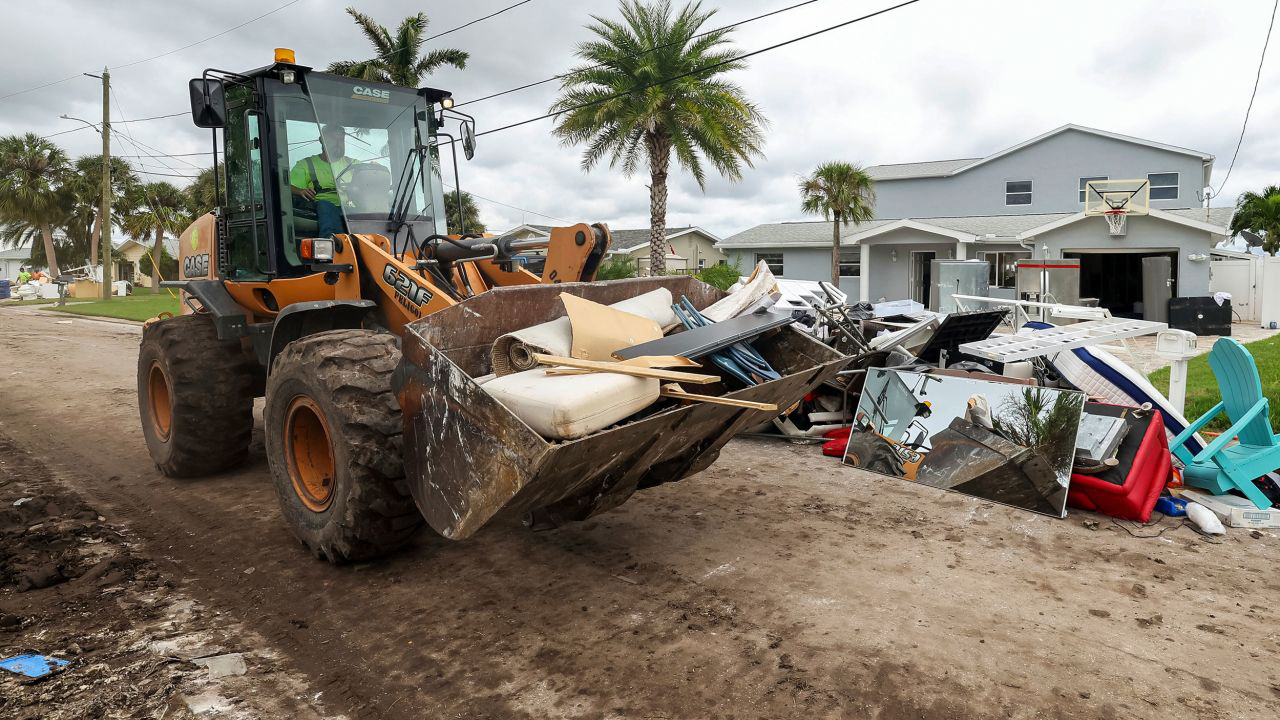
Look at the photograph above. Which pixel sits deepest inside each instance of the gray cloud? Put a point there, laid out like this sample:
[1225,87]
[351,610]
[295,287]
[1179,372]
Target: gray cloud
[939,79]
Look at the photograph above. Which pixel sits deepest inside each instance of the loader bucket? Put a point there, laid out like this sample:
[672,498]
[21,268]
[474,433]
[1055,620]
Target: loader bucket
[467,457]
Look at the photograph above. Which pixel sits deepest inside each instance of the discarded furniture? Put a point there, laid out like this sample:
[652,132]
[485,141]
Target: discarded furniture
[1025,311]
[1044,341]
[1008,443]
[740,360]
[956,329]
[704,340]
[1223,466]
[1102,375]
[1200,315]
[571,406]
[473,457]
[1129,489]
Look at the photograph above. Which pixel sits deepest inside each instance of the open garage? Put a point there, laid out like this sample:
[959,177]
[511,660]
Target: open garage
[1117,279]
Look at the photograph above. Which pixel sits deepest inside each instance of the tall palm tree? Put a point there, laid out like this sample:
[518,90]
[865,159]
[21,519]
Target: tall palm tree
[470,213]
[397,59]
[158,208]
[1260,213]
[85,184]
[842,193]
[625,105]
[33,172]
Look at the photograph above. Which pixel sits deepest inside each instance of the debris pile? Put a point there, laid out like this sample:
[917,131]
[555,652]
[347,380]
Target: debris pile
[1035,416]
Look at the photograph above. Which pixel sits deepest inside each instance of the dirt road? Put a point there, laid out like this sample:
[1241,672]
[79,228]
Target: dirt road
[776,584]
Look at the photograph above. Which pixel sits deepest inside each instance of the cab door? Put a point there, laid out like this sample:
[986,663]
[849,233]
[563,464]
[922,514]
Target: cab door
[248,230]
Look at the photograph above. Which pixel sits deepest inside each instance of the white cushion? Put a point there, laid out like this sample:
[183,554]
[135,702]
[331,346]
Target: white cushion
[564,407]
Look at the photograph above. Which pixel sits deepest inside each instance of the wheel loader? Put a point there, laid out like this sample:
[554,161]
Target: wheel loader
[366,325]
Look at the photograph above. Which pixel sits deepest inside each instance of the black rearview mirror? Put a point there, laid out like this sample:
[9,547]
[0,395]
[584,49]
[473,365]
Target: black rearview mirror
[208,103]
[468,140]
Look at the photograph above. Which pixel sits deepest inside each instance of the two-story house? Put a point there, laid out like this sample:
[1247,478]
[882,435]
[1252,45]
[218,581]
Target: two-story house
[1026,201]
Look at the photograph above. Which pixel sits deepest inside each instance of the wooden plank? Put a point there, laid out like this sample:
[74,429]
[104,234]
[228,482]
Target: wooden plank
[650,361]
[675,391]
[621,369]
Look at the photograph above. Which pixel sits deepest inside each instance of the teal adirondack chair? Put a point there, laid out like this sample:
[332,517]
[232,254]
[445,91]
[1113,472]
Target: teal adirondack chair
[1221,467]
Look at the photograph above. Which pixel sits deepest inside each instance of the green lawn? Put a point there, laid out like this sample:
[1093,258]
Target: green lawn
[134,307]
[1202,388]
[18,303]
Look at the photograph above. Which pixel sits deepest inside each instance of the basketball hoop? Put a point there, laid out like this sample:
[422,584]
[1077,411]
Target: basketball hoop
[1115,218]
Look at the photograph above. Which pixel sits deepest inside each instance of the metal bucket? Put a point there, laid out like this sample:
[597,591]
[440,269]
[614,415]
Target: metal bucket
[467,457]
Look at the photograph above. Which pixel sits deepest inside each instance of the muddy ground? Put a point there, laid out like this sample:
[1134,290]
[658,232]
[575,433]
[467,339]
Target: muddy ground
[776,584]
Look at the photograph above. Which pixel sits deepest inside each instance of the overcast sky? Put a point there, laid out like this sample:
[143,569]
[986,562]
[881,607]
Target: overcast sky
[935,80]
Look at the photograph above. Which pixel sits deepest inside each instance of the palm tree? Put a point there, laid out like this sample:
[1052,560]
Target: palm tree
[158,208]
[397,60]
[625,104]
[1260,213]
[1043,420]
[470,213]
[842,193]
[85,184]
[201,194]
[32,193]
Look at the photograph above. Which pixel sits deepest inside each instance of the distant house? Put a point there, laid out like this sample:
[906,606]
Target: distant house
[127,260]
[689,248]
[1025,201]
[13,260]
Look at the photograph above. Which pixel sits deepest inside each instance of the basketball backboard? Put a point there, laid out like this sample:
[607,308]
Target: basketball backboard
[1131,196]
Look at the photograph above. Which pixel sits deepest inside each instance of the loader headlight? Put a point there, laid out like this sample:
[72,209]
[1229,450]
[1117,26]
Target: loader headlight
[447,102]
[316,249]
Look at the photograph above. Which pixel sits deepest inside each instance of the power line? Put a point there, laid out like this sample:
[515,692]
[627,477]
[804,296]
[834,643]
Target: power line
[165,154]
[700,70]
[655,48]
[149,172]
[507,205]
[1252,95]
[211,37]
[154,57]
[116,122]
[473,22]
[386,55]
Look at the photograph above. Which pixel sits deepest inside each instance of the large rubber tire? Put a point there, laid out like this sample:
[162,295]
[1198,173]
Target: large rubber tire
[195,396]
[870,452]
[334,445]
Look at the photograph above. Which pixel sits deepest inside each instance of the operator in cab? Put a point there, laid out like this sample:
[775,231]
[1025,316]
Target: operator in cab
[313,178]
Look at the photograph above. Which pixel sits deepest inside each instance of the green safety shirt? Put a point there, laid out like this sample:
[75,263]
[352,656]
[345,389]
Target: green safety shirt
[317,173]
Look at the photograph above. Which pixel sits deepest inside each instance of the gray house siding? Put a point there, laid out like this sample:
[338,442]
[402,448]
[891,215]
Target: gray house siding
[1144,235]
[801,263]
[1053,165]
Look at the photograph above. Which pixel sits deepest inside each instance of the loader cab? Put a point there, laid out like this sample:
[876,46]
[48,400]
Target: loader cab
[272,119]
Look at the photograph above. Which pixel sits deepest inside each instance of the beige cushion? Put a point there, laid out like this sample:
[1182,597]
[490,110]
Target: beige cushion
[563,407]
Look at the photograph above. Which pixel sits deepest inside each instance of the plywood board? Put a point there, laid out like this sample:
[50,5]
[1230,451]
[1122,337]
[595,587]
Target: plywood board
[599,330]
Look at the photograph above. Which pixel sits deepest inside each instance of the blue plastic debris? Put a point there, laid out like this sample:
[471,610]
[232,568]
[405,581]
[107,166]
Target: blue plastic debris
[1172,506]
[33,666]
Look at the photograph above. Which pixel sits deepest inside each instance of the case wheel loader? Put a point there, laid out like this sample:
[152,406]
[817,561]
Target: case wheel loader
[364,324]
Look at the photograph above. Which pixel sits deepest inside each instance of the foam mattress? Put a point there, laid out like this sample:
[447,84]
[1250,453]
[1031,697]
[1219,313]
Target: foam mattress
[564,407]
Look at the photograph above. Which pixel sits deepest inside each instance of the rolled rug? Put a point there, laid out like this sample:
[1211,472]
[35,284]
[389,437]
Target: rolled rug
[514,351]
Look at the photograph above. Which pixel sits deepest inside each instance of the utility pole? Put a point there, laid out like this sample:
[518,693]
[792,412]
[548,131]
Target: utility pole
[104,241]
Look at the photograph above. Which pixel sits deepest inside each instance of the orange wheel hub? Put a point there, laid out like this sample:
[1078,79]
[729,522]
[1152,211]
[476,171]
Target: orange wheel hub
[309,453]
[160,401]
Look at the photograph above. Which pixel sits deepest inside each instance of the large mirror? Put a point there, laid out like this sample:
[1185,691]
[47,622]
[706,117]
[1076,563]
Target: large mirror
[468,140]
[1008,443]
[208,103]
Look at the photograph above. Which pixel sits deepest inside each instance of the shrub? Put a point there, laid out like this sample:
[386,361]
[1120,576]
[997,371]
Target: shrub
[616,268]
[721,276]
